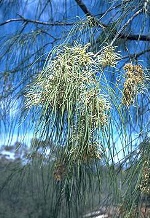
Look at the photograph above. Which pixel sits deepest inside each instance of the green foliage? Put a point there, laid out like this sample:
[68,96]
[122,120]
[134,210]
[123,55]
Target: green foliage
[81,86]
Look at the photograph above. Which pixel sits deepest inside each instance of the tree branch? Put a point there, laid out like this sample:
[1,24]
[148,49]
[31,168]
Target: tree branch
[88,14]
[119,34]
[135,55]
[134,37]
[83,8]
[123,36]
[22,19]
[125,25]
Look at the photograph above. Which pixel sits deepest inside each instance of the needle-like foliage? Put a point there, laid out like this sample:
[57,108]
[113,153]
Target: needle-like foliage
[78,86]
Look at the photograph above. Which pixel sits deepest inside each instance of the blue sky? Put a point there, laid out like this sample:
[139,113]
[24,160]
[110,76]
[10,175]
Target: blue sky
[59,13]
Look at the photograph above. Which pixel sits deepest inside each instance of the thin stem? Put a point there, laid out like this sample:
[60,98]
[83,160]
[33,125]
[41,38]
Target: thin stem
[125,25]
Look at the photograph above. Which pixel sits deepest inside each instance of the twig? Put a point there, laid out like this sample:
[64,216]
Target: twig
[84,8]
[125,25]
[135,55]
[134,37]
[118,35]
[88,14]
[22,19]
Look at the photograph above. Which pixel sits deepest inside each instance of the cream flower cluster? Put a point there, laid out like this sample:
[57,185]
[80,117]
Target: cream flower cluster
[134,78]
